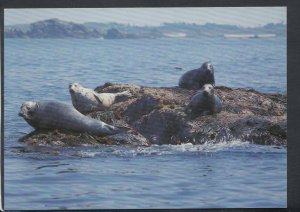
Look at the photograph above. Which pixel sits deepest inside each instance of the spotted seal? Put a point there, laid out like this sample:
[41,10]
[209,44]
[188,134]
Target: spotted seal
[87,100]
[204,102]
[196,78]
[51,115]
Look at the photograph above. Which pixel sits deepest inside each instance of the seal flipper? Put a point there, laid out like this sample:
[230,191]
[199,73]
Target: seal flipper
[23,138]
[98,99]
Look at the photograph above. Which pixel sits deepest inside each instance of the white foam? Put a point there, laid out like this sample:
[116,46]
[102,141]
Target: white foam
[168,149]
[86,154]
[181,148]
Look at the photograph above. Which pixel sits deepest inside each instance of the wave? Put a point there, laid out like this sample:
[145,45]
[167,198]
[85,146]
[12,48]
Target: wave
[234,146]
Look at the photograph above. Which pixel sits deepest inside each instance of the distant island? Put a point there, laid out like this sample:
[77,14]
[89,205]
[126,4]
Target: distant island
[55,28]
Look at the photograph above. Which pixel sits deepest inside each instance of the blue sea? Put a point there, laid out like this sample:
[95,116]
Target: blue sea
[224,175]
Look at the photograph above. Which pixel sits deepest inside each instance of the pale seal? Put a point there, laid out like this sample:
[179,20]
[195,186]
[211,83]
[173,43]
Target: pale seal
[86,100]
[204,102]
[50,115]
[196,78]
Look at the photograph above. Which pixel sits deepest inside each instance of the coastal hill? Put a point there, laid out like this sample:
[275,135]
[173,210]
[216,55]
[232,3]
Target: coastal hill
[52,28]
[55,28]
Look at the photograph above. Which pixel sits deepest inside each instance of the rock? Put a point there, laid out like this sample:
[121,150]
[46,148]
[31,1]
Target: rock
[113,34]
[116,34]
[156,116]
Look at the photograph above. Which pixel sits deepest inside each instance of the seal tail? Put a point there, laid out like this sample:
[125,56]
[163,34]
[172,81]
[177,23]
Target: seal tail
[116,130]
[123,129]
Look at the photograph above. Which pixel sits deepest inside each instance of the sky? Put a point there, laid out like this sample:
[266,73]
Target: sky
[240,16]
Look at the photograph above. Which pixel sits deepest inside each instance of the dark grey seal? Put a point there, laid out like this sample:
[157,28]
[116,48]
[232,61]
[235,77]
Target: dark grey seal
[51,115]
[204,102]
[195,79]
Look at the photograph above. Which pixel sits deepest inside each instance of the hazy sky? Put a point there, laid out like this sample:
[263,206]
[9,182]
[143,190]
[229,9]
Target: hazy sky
[242,16]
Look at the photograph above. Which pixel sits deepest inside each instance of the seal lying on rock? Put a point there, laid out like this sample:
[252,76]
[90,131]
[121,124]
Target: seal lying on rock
[86,100]
[195,79]
[156,114]
[51,115]
[204,102]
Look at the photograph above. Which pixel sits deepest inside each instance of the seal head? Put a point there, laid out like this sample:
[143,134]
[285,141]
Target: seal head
[74,87]
[28,109]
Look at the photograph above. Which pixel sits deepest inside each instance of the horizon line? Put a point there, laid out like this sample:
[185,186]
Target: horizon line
[147,25]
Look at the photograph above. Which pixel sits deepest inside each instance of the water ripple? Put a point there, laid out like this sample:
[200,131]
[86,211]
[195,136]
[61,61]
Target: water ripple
[226,174]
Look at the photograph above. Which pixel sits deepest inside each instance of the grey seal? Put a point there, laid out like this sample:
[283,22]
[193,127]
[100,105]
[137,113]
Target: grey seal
[196,78]
[51,115]
[86,100]
[204,102]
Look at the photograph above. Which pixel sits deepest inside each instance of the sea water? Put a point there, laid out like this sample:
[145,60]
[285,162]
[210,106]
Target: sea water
[224,175]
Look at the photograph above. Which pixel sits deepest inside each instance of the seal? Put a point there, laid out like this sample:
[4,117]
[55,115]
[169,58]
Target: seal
[196,78]
[86,100]
[50,115]
[204,102]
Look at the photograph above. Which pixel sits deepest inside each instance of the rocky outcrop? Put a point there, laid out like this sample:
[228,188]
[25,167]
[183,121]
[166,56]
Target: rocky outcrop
[156,116]
[116,34]
[113,34]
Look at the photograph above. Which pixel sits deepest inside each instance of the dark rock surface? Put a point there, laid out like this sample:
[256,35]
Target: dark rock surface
[156,116]
[113,34]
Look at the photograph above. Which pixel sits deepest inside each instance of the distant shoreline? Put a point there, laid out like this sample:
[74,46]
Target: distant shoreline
[55,28]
